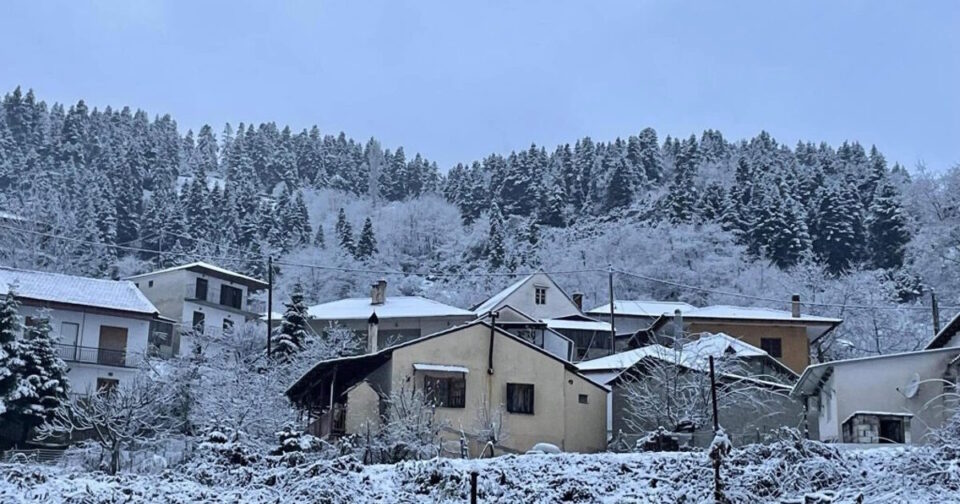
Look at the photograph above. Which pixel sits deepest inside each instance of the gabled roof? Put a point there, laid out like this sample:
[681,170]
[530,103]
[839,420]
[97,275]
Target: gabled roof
[377,358]
[694,355]
[216,271]
[945,334]
[642,308]
[494,300]
[75,290]
[754,313]
[392,307]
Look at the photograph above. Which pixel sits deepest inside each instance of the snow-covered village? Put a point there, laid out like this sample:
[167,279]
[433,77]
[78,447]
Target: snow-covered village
[530,252]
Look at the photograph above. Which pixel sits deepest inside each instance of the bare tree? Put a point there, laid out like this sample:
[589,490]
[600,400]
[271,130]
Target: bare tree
[490,429]
[410,428]
[118,419]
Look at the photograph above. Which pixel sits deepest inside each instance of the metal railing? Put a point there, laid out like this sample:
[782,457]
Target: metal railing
[94,355]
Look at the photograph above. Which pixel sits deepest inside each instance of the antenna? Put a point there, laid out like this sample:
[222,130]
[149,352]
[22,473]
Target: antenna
[910,389]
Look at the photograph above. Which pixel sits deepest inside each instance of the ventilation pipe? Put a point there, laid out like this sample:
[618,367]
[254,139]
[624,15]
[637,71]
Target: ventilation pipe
[373,332]
[795,306]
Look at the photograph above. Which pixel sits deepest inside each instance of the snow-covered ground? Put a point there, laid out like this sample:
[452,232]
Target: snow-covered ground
[784,472]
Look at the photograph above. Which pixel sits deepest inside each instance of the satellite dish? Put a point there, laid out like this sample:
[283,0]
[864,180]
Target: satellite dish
[910,389]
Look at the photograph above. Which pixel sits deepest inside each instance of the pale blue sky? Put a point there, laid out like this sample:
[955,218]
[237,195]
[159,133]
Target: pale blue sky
[457,82]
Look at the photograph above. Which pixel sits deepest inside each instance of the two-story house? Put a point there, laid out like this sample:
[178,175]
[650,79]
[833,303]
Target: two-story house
[103,327]
[539,298]
[207,301]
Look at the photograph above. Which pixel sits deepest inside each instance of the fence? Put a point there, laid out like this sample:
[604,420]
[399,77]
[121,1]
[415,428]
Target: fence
[94,355]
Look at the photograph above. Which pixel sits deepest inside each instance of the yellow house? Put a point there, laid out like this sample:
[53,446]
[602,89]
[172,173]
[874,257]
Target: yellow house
[469,372]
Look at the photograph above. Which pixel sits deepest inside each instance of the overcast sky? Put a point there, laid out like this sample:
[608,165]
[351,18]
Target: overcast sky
[456,82]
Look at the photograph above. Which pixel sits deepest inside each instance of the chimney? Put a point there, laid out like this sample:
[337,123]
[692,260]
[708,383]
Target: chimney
[677,328]
[373,332]
[578,300]
[378,292]
[795,306]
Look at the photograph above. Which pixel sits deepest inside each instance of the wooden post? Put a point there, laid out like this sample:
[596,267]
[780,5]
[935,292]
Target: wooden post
[717,484]
[613,324]
[269,305]
[473,487]
[713,397]
[936,312]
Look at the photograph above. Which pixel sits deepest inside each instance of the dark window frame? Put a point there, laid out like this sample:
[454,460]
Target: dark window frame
[198,322]
[234,299]
[540,295]
[583,399]
[773,346]
[205,291]
[520,398]
[446,391]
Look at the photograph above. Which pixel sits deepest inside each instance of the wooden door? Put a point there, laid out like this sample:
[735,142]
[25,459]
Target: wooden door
[113,346]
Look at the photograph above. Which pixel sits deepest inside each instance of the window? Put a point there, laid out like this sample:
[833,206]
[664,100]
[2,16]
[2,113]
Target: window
[446,392]
[113,346]
[540,295]
[227,325]
[201,289]
[198,319]
[520,398]
[583,399]
[150,283]
[771,346]
[106,385]
[231,296]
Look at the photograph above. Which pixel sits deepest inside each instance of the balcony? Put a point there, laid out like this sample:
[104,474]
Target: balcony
[101,356]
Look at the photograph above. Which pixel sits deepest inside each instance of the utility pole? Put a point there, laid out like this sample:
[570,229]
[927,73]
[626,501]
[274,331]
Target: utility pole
[936,312]
[269,305]
[613,324]
[716,452]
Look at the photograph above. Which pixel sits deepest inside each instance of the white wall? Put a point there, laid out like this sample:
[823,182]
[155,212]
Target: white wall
[827,414]
[83,376]
[523,299]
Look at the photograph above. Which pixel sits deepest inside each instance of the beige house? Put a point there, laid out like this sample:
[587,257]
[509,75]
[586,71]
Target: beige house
[468,372]
[895,398]
[207,301]
[539,298]
[399,318]
[785,335]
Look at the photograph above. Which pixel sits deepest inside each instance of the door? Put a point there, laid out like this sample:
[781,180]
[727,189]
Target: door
[69,334]
[113,346]
[891,431]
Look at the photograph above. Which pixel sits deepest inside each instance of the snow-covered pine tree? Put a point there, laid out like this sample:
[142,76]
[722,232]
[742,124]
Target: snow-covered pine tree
[367,245]
[552,211]
[292,335]
[318,240]
[713,203]
[619,192]
[682,197]
[496,250]
[11,351]
[345,233]
[887,231]
[44,383]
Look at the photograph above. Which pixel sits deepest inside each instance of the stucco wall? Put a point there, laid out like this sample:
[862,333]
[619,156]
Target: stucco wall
[426,325]
[871,385]
[557,418]
[83,376]
[363,409]
[166,293]
[625,323]
[523,299]
[793,339]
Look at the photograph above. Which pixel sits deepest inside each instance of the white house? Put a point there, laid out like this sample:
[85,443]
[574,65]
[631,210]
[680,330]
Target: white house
[400,318]
[538,297]
[207,301]
[104,327]
[894,398]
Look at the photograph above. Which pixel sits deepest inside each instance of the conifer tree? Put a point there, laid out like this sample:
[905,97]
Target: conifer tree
[44,384]
[367,246]
[293,329]
[496,251]
[887,232]
[345,233]
[619,192]
[318,240]
[11,352]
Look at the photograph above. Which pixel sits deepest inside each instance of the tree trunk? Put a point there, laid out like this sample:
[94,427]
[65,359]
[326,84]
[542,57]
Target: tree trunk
[115,458]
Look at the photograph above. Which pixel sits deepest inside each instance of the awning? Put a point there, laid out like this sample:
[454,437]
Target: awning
[440,368]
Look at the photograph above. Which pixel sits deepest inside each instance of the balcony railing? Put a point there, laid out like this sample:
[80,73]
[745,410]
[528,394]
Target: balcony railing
[93,355]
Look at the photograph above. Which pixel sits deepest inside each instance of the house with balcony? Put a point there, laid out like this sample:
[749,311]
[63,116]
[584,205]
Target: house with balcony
[207,302]
[103,327]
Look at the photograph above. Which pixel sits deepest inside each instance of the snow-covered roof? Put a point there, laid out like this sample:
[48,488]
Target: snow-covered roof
[624,360]
[578,325]
[494,300]
[209,268]
[75,290]
[877,413]
[392,307]
[753,313]
[642,308]
[440,368]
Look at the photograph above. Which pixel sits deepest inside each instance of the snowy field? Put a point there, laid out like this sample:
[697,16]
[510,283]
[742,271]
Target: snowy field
[784,472]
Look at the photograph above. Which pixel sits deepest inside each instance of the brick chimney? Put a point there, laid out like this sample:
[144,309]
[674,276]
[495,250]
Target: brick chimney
[378,292]
[795,306]
[578,300]
[373,332]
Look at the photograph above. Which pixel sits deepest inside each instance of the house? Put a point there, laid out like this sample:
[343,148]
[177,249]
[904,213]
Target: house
[531,330]
[400,318]
[103,327]
[538,297]
[785,335]
[207,301]
[741,369]
[949,336]
[469,372]
[893,398]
